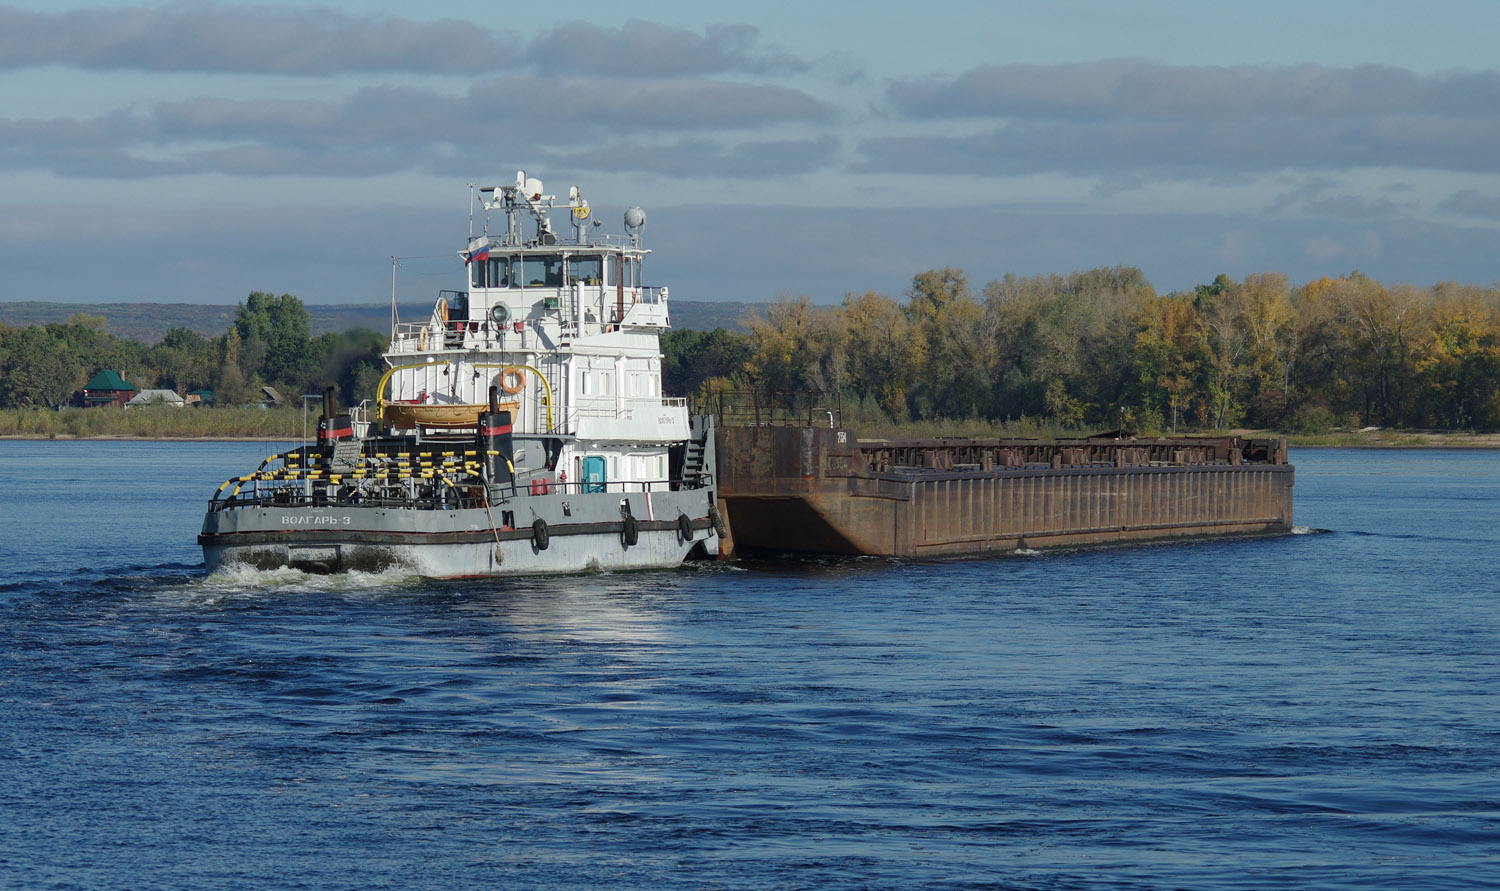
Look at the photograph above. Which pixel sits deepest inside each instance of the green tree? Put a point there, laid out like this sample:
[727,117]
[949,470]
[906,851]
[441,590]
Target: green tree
[691,357]
[276,345]
[183,361]
[346,360]
[38,369]
[231,387]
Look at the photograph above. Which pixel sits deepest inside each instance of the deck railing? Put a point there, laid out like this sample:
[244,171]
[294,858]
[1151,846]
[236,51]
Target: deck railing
[758,408]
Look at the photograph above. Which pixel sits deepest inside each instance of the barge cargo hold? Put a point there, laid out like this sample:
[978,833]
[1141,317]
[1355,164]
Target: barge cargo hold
[822,491]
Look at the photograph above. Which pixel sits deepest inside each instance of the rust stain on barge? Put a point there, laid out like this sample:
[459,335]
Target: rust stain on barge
[820,490]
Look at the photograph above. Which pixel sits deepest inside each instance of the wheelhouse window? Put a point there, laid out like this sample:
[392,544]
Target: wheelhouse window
[625,271]
[543,271]
[589,270]
[494,273]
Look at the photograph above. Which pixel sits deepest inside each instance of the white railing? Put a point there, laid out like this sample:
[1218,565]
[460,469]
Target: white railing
[418,337]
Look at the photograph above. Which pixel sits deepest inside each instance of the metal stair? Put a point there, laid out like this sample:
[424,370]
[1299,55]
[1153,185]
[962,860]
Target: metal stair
[692,462]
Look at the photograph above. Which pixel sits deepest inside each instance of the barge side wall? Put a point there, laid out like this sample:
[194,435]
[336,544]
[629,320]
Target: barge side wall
[803,490]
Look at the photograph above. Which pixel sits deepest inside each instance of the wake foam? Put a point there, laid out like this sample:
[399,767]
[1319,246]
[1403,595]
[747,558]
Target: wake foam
[239,580]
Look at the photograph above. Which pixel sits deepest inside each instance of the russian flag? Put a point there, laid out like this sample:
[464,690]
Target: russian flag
[479,252]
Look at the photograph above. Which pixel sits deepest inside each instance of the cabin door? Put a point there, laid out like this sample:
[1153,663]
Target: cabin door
[593,474]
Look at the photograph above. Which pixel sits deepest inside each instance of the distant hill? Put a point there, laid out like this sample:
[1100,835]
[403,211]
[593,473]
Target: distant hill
[150,322]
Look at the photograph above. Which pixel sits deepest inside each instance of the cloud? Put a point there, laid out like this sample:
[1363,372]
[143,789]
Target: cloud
[261,39]
[1352,207]
[648,49]
[698,157]
[1140,90]
[387,129]
[594,103]
[316,41]
[1472,203]
[1197,148]
[1104,118]
[1325,249]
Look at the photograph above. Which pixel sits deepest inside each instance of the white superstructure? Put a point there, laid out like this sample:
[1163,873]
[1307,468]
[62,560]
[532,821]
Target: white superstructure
[567,329]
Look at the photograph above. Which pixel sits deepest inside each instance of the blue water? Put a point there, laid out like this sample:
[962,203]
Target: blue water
[1314,711]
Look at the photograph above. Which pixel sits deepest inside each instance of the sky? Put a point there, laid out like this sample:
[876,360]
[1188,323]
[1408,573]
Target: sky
[193,152]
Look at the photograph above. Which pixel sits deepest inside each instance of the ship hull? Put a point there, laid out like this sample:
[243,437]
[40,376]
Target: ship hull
[584,533]
[802,490]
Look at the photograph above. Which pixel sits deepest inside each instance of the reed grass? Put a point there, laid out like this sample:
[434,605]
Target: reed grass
[286,423]
[154,422]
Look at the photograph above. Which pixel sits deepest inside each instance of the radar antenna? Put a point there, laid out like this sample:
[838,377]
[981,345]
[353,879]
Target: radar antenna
[527,193]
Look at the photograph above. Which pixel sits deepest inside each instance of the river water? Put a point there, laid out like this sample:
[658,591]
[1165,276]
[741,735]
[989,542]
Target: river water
[1312,711]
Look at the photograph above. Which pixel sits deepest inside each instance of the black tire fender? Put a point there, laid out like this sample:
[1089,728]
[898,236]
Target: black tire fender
[630,532]
[539,535]
[717,519]
[685,527]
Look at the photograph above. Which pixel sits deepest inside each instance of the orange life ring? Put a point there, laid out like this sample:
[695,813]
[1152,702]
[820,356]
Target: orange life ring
[512,380]
[442,309]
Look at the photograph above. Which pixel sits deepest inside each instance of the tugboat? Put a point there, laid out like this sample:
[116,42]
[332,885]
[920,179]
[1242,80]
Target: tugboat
[521,428]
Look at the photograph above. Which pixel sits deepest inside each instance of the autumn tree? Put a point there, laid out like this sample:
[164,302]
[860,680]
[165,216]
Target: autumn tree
[1458,364]
[884,352]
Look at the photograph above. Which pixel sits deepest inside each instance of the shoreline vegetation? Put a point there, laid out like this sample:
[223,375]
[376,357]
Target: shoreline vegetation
[1346,361]
[288,424]
[158,422]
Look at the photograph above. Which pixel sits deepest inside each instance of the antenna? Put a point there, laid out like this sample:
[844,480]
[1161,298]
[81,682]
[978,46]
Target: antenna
[528,193]
[580,215]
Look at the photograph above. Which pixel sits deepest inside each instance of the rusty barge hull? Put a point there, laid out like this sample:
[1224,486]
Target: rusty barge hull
[821,491]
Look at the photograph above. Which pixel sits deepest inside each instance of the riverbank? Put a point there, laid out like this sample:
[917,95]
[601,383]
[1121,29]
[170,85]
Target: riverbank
[292,424]
[1393,439]
[158,422]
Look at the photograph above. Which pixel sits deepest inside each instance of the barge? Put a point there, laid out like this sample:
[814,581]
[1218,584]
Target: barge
[823,491]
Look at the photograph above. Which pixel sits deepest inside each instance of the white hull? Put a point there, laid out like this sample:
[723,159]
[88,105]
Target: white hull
[573,554]
[591,536]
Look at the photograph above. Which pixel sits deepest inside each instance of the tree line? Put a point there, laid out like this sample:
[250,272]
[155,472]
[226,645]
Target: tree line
[268,344]
[1101,349]
[1097,349]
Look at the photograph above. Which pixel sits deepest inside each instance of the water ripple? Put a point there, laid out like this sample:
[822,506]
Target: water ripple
[1313,711]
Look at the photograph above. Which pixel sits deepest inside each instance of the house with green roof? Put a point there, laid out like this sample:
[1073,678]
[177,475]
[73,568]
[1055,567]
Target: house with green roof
[107,387]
